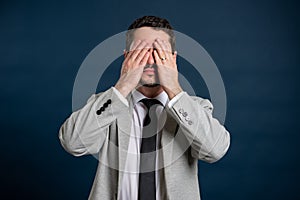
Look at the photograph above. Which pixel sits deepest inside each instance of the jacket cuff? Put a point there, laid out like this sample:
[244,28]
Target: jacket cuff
[120,96]
[175,99]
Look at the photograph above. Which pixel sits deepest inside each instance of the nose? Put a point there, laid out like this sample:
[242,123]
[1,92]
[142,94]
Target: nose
[151,60]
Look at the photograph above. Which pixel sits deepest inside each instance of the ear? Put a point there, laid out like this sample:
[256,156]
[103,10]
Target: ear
[174,55]
[125,53]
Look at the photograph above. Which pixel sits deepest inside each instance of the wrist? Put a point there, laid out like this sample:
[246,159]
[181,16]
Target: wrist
[122,89]
[172,93]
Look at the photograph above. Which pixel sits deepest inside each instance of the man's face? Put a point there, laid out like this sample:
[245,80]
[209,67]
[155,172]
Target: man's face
[148,34]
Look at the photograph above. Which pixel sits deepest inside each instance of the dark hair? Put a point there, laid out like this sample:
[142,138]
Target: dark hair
[154,22]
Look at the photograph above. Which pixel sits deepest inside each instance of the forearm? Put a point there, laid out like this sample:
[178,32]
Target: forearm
[208,138]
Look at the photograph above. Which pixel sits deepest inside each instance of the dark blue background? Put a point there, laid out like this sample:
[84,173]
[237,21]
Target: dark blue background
[255,44]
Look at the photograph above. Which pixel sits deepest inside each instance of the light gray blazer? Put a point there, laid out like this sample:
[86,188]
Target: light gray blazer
[190,133]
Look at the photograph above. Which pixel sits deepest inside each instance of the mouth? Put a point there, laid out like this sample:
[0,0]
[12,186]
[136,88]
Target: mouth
[150,69]
[150,76]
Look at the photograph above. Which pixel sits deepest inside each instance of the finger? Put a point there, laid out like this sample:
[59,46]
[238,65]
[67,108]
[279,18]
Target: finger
[127,57]
[157,58]
[138,49]
[125,63]
[134,44]
[167,45]
[165,48]
[141,56]
[132,48]
[159,49]
[130,61]
[131,52]
[168,49]
[145,59]
[140,61]
[124,68]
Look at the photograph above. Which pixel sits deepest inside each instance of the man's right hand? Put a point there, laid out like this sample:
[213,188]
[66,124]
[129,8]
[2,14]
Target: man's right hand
[132,67]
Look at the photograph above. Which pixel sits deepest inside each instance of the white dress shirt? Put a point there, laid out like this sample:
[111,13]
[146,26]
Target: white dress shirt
[130,182]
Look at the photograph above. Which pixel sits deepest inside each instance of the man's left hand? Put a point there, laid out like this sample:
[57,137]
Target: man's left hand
[167,67]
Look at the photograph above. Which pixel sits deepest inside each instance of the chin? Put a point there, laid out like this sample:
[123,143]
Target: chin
[149,83]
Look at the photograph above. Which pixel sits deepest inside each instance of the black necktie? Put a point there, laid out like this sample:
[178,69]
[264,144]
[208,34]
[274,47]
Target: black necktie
[147,184]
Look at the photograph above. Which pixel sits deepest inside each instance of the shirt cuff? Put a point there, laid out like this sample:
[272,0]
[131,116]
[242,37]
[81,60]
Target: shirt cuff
[120,96]
[175,99]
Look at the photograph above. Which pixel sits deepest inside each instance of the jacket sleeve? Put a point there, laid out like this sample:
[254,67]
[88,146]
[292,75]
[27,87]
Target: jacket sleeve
[85,131]
[208,138]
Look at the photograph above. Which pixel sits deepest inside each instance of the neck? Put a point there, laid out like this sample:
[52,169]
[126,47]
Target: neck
[150,92]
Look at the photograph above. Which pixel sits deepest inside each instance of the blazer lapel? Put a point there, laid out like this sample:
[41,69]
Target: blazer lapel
[167,139]
[167,145]
[124,130]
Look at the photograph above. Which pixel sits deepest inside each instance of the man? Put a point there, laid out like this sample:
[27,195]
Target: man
[136,162]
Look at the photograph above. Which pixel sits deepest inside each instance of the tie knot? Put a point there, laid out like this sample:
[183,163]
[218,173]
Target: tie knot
[150,102]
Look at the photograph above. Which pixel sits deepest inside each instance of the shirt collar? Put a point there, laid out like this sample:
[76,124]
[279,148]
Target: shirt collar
[137,96]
